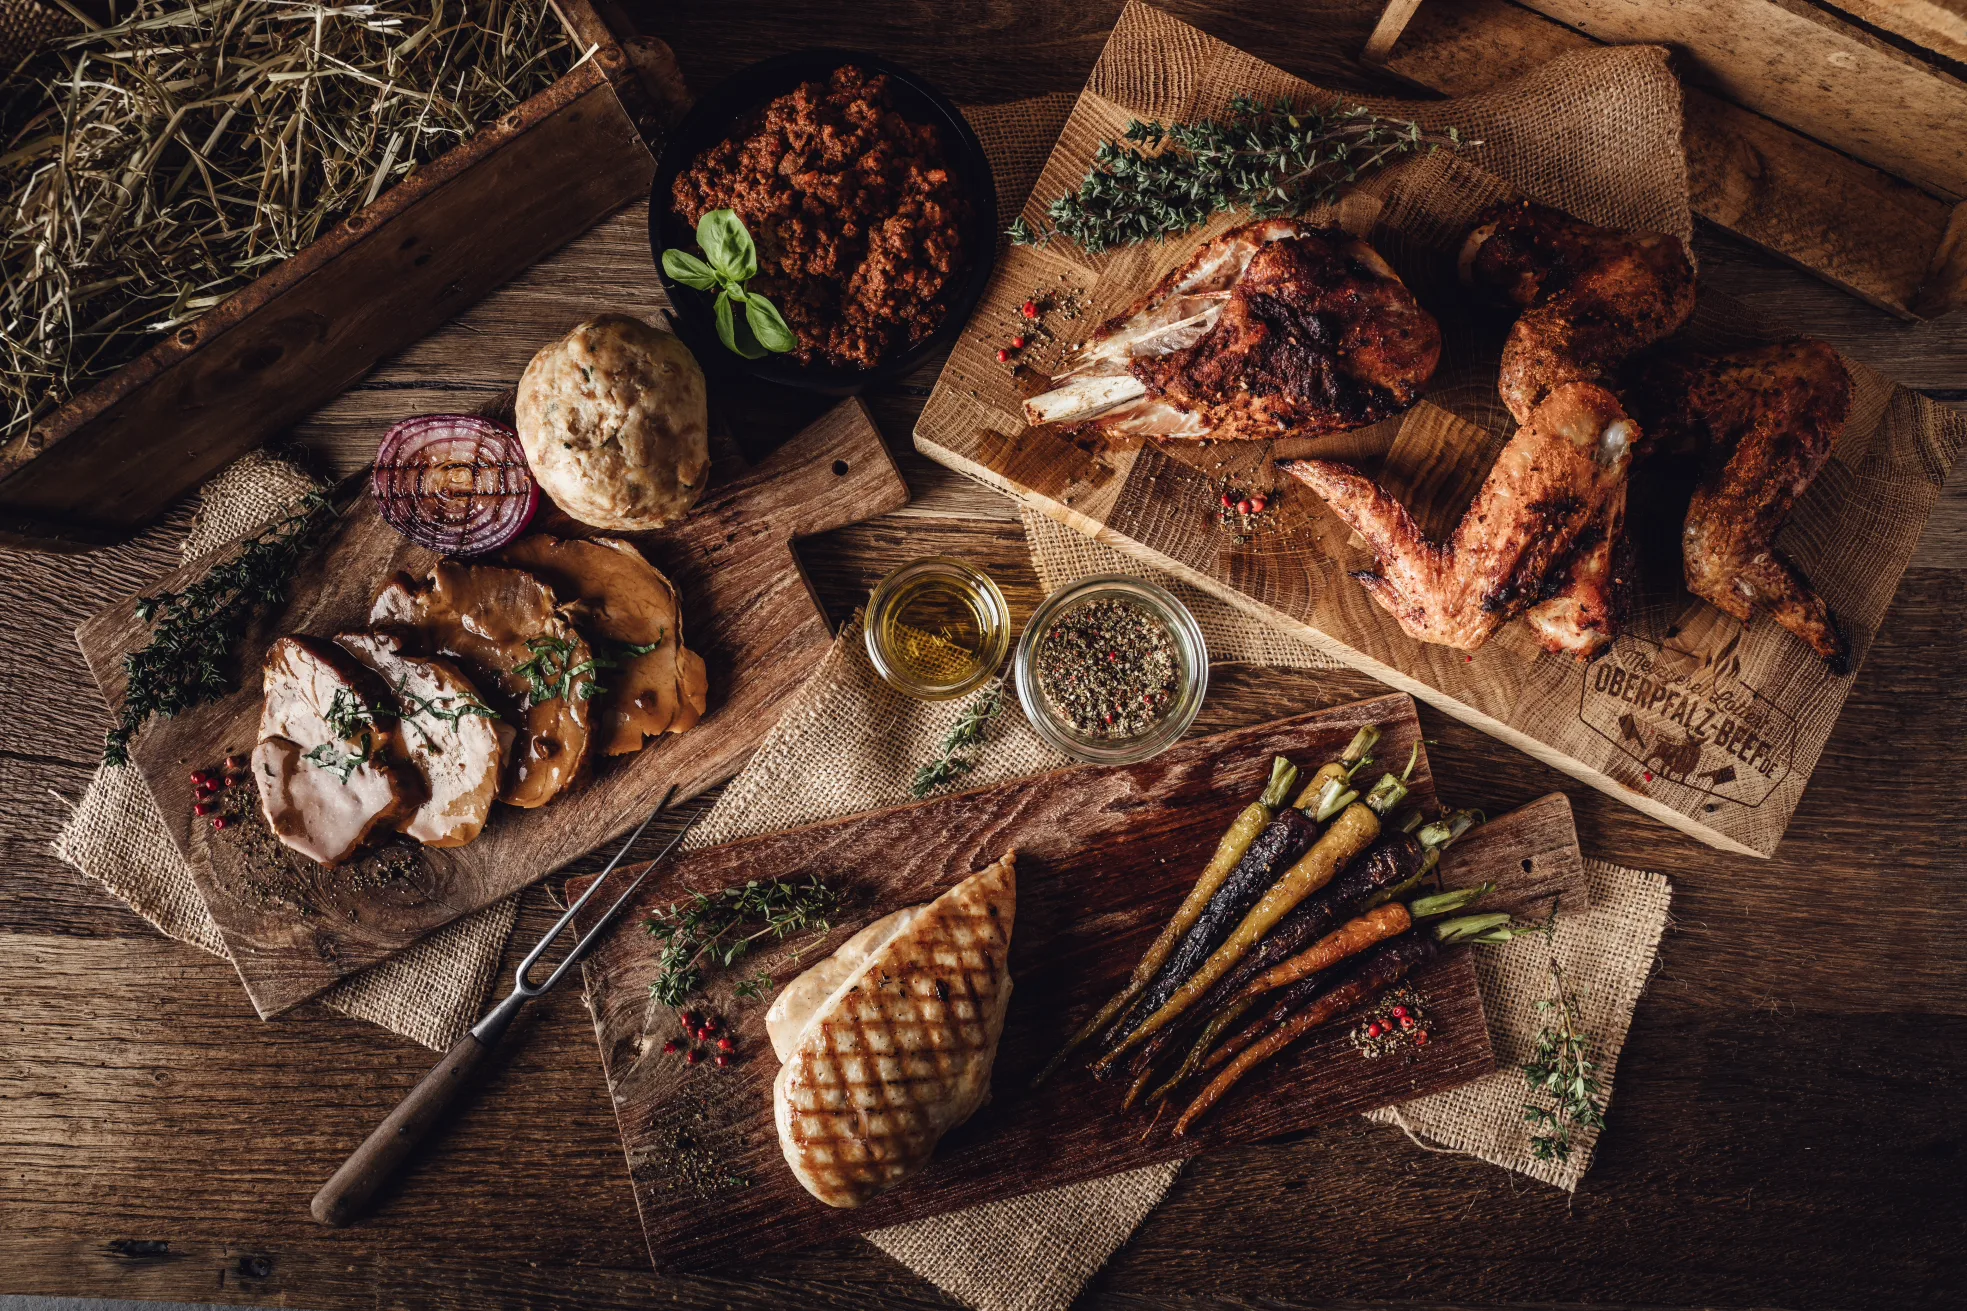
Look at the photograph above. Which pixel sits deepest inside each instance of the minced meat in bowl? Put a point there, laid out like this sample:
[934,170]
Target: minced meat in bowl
[856,214]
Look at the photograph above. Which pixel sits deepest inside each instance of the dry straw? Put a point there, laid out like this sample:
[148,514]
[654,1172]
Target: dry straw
[154,164]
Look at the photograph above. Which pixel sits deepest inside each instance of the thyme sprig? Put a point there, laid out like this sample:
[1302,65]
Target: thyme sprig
[194,632]
[1161,179]
[709,930]
[958,754]
[1563,1071]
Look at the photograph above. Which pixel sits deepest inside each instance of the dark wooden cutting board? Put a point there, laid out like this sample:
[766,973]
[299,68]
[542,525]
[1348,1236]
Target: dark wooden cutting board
[746,607]
[1104,857]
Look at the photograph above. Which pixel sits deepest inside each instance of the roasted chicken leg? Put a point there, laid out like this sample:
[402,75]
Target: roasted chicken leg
[1764,422]
[1273,328]
[1563,469]
[1591,297]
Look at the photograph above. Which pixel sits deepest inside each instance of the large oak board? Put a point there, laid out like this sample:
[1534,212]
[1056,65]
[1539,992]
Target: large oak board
[746,607]
[1706,724]
[1104,857]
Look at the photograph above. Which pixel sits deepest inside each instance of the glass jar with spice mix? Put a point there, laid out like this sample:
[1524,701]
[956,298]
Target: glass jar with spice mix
[1111,670]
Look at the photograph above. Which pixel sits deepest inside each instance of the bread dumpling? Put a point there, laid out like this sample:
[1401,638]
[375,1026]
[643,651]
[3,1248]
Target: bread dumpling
[615,424]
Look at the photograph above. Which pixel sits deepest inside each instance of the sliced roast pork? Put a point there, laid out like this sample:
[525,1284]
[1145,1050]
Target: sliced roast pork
[1275,328]
[504,626]
[445,731]
[889,1044]
[323,764]
[632,615]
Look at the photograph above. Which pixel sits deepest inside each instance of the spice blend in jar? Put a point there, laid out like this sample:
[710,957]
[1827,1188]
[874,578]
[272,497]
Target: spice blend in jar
[1109,668]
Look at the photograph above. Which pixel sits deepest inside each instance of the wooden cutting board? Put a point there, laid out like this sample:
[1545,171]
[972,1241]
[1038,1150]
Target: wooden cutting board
[1706,724]
[1104,857]
[746,607]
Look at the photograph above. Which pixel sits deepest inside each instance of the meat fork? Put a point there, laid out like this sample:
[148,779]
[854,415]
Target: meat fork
[346,1195]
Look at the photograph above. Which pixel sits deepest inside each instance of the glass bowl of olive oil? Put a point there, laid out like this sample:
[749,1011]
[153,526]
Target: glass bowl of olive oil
[938,628]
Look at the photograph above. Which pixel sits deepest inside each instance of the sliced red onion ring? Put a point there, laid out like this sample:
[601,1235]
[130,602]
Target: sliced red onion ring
[454,483]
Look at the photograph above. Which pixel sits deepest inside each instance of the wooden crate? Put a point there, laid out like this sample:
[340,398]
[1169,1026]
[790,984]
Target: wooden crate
[1806,136]
[114,457]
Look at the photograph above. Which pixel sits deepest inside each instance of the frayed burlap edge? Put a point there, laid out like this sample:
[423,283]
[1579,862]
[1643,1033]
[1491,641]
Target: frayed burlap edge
[115,835]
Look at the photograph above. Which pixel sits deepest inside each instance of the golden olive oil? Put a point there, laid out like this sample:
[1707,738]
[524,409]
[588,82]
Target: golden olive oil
[937,628]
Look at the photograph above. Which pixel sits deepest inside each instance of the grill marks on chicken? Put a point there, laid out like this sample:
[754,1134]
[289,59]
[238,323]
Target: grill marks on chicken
[1764,422]
[1591,297]
[1558,473]
[1274,328]
[889,1047]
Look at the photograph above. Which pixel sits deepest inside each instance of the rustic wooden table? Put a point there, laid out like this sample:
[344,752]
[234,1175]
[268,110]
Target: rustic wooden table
[1787,1124]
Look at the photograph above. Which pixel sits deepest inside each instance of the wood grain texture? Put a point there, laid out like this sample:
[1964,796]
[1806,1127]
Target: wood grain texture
[115,457]
[1104,857]
[747,610]
[1785,1130]
[1798,64]
[1701,722]
[1856,226]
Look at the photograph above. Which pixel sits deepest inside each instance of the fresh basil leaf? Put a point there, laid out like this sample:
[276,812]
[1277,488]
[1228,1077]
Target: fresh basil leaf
[727,245]
[733,332]
[689,270]
[768,325]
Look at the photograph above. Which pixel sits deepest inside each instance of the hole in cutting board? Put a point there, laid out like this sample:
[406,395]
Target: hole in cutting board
[840,468]
[1526,865]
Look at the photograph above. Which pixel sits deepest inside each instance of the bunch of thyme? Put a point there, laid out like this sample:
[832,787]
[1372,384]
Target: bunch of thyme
[1272,159]
[710,929]
[958,755]
[195,631]
[1563,1071]
[171,151]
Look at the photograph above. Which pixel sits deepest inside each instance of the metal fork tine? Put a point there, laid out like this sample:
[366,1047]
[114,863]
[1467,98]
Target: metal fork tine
[560,925]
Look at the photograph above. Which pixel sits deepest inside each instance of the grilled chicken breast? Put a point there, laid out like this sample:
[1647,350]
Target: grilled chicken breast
[1563,469]
[445,732]
[1273,328]
[323,764]
[898,1050]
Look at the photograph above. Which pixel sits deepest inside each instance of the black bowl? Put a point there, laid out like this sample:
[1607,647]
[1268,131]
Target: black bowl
[717,115]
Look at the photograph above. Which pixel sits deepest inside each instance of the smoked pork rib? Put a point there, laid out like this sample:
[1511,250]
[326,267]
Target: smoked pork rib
[1274,328]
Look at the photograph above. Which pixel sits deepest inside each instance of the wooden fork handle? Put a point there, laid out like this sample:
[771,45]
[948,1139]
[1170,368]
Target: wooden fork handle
[346,1196]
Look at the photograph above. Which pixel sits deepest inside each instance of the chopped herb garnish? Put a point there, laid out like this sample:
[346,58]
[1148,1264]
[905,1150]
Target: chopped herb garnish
[449,709]
[553,673]
[710,930]
[348,719]
[196,630]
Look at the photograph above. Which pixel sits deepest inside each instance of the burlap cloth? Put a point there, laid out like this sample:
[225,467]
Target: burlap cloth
[431,993]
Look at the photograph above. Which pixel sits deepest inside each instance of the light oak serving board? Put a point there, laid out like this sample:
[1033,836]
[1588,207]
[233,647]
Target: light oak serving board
[1104,857]
[296,930]
[1706,724]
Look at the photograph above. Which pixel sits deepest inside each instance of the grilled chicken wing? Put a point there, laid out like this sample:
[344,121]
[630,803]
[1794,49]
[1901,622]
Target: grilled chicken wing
[897,1048]
[1591,296]
[1274,328]
[1564,468]
[1764,421]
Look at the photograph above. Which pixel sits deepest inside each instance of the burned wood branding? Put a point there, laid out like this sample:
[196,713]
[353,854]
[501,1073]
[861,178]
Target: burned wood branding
[1689,719]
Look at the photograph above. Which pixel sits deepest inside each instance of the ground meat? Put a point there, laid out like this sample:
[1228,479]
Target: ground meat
[854,211]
